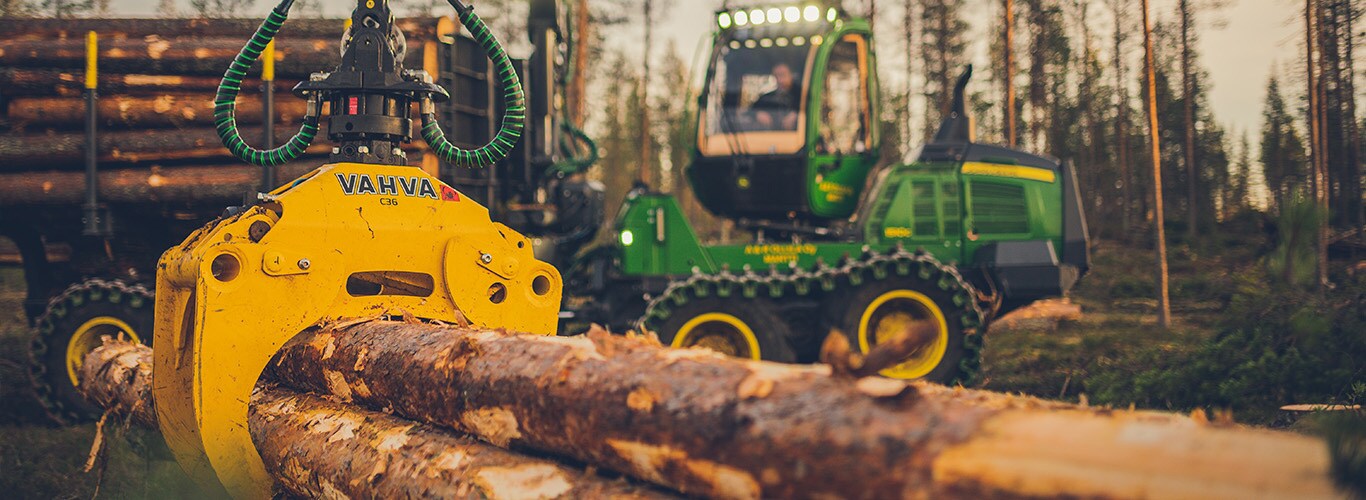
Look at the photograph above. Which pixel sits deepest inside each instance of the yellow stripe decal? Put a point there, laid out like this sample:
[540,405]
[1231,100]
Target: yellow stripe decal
[268,62]
[92,51]
[1012,171]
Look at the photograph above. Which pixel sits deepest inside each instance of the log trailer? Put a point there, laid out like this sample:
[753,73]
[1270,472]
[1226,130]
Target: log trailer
[160,172]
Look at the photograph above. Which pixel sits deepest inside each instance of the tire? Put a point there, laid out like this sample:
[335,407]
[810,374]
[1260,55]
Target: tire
[878,308]
[71,327]
[746,328]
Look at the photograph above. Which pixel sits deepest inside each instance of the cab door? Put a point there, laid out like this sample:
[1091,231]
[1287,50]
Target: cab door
[842,135]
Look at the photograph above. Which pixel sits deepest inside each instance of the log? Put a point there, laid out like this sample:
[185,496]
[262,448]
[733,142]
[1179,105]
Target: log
[709,425]
[167,110]
[296,58]
[28,82]
[221,184]
[46,151]
[318,448]
[217,183]
[47,29]
[118,378]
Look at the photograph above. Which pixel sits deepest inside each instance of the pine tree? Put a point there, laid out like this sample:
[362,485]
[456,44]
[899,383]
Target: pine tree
[1164,312]
[942,48]
[1237,198]
[1050,54]
[1284,165]
[618,140]
[15,8]
[218,9]
[65,9]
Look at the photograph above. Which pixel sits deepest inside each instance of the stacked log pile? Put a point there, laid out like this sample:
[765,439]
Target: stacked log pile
[706,425]
[157,80]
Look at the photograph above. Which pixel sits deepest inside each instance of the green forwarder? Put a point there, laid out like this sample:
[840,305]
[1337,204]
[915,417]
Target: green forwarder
[954,235]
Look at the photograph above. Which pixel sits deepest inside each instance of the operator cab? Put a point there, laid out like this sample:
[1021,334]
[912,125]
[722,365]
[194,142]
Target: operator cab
[785,129]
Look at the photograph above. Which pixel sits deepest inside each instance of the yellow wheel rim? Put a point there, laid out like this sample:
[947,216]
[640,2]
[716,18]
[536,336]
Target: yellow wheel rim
[892,313]
[719,332]
[87,338]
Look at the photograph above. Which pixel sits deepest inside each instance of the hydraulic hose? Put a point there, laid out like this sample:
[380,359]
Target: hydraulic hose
[572,164]
[225,103]
[514,102]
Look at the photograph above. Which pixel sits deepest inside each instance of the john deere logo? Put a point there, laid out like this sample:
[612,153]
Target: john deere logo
[393,185]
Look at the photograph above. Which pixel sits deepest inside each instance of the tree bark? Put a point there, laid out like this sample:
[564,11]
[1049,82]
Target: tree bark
[167,110]
[318,448]
[1009,46]
[1164,307]
[1121,121]
[1188,96]
[709,425]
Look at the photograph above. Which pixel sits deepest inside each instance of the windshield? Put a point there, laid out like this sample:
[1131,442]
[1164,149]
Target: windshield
[755,99]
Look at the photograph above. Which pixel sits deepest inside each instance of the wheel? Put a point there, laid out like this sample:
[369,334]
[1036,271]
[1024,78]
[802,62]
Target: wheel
[878,310]
[744,328]
[71,327]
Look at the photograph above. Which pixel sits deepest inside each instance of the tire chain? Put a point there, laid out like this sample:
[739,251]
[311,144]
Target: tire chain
[798,282]
[114,291]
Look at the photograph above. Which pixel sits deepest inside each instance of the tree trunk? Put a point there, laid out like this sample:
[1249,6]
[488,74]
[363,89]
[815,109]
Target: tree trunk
[647,164]
[1188,95]
[1164,307]
[710,425]
[577,92]
[120,112]
[1010,71]
[318,448]
[1121,122]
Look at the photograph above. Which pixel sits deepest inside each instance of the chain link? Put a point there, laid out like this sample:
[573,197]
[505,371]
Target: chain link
[38,347]
[778,284]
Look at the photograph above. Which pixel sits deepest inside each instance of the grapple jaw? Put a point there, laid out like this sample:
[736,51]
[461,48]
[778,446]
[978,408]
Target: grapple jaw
[344,241]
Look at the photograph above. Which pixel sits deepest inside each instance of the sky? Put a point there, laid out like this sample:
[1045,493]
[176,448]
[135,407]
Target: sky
[1256,36]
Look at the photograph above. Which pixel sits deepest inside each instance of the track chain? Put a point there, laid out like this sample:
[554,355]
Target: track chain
[95,289]
[777,283]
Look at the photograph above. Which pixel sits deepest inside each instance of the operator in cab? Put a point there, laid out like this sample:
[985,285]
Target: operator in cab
[777,109]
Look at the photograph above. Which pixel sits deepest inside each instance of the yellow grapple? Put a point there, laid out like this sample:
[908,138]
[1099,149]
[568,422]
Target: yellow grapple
[347,240]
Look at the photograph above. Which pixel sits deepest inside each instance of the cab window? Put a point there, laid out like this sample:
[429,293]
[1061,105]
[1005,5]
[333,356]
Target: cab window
[845,107]
[755,99]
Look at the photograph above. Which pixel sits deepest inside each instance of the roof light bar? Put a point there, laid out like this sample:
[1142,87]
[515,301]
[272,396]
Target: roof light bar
[774,15]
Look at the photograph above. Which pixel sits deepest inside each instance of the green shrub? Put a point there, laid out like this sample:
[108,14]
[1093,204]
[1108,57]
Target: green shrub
[1276,346]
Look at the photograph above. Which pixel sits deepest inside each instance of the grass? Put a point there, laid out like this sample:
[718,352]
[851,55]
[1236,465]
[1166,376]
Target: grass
[1119,320]
[39,460]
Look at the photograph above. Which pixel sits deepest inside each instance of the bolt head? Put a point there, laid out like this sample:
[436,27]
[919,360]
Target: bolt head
[485,258]
[305,264]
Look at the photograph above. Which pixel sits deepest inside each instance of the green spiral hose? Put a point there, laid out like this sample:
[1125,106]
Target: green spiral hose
[572,164]
[514,101]
[225,103]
